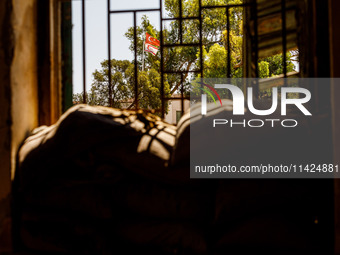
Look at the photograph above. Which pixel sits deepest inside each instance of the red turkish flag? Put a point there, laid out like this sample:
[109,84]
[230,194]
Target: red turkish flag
[151,40]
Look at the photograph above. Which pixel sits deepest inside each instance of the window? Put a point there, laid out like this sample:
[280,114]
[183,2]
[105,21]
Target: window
[197,38]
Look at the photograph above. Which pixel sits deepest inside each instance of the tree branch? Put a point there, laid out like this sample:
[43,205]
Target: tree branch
[134,102]
[178,84]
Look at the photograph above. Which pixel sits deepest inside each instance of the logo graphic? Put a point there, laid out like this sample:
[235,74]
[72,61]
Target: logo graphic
[209,93]
[239,100]
[204,97]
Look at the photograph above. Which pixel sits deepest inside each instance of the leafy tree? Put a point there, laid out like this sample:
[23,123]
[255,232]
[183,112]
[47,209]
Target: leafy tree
[122,86]
[275,64]
[263,69]
[121,82]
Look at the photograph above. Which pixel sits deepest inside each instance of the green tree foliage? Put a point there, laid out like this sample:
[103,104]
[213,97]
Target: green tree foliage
[263,69]
[275,64]
[122,86]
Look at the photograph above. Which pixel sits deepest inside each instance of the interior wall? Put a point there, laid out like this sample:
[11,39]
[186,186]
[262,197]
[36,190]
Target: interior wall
[6,46]
[23,74]
[18,95]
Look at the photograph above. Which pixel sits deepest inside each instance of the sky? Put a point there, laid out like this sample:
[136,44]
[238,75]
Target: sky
[96,34]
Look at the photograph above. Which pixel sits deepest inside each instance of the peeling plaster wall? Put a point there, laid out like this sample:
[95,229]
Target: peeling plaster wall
[5,94]
[18,95]
[6,50]
[24,74]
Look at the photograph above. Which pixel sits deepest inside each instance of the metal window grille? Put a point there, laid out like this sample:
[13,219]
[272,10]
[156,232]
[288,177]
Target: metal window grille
[255,12]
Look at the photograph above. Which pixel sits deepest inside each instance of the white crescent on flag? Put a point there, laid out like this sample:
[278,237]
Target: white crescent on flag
[150,48]
[151,40]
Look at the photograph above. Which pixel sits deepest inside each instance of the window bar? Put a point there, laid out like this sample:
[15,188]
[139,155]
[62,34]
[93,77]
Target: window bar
[137,10]
[178,72]
[84,51]
[224,6]
[176,98]
[183,44]
[66,51]
[201,39]
[245,56]
[228,44]
[256,53]
[183,18]
[136,63]
[180,22]
[284,40]
[109,50]
[162,64]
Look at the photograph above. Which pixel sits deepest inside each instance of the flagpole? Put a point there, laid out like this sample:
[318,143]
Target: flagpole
[143,54]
